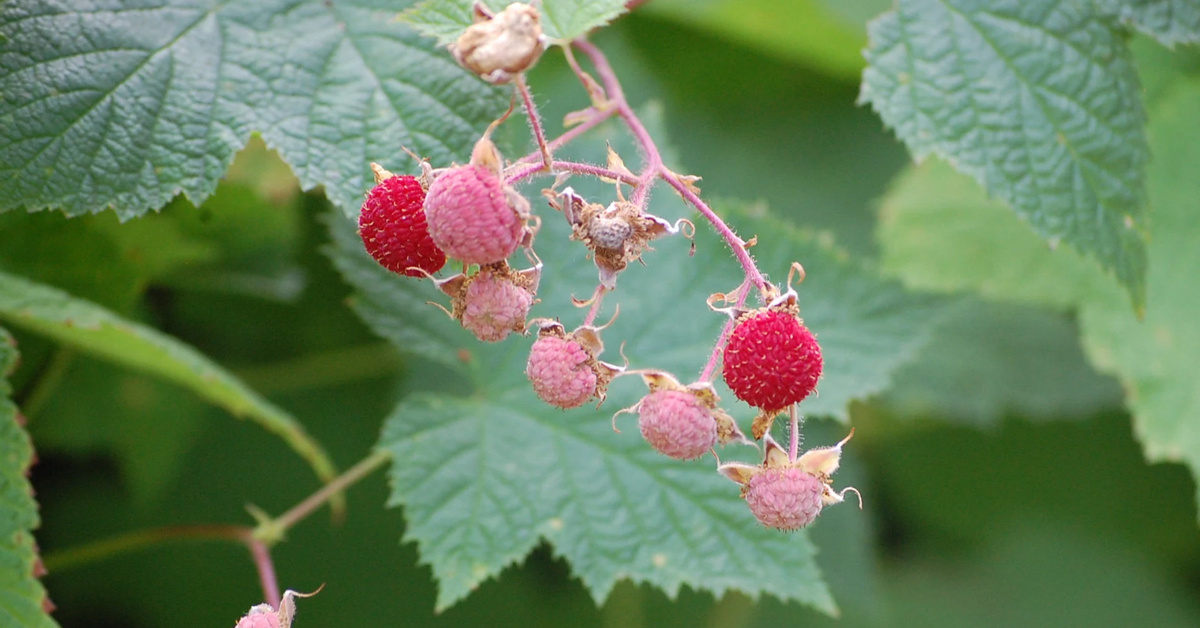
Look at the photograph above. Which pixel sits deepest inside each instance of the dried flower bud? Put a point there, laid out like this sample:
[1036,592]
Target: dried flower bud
[498,47]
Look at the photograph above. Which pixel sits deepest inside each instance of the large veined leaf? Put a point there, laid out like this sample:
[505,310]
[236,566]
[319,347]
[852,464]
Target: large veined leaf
[484,476]
[112,105]
[562,20]
[98,331]
[22,597]
[1038,100]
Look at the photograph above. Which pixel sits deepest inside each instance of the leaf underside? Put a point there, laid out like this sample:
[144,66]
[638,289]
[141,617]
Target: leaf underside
[1037,100]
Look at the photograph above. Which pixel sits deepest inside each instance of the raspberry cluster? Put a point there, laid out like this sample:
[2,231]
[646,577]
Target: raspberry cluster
[472,214]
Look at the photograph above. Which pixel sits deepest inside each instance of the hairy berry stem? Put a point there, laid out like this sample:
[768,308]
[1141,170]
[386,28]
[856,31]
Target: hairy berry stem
[594,310]
[272,530]
[525,172]
[535,121]
[794,435]
[655,167]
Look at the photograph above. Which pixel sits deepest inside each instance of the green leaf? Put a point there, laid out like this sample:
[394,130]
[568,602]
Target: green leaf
[991,360]
[443,20]
[494,476]
[21,593]
[93,329]
[562,20]
[805,31]
[485,477]
[1037,100]
[127,106]
[1155,358]
[938,231]
[1171,22]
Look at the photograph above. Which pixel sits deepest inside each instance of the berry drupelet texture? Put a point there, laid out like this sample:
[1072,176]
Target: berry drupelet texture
[771,360]
[473,216]
[393,229]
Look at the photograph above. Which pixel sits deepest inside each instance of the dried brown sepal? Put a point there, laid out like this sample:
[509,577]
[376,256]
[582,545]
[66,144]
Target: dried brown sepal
[616,235]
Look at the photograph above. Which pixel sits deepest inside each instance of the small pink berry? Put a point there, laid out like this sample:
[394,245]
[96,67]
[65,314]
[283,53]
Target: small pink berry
[785,498]
[561,371]
[473,216]
[494,305]
[259,620]
[677,424]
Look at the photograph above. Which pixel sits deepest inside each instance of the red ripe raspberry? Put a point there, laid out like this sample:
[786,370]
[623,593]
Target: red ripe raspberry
[784,498]
[561,371]
[392,226]
[677,424]
[494,305]
[771,360]
[473,216]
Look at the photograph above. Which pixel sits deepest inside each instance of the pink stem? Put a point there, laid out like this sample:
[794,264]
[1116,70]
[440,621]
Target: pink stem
[707,374]
[735,243]
[655,167]
[794,437]
[266,571]
[597,299]
[535,121]
[594,117]
[527,171]
[653,159]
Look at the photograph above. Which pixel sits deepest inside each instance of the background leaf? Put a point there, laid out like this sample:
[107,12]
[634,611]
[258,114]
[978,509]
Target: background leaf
[1171,22]
[1037,100]
[21,593]
[939,231]
[1155,357]
[812,32]
[129,110]
[989,361]
[96,330]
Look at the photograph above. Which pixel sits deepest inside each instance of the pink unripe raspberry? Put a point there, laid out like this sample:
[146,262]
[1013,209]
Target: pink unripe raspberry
[784,498]
[473,216]
[677,424]
[561,371]
[259,620]
[772,360]
[393,229]
[494,305]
